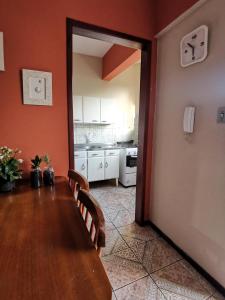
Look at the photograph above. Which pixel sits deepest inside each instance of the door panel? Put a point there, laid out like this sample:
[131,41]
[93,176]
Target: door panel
[91,109]
[107,111]
[81,166]
[77,109]
[111,167]
[95,169]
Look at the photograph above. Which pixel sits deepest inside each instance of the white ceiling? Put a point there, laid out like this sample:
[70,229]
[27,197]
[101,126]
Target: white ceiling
[88,46]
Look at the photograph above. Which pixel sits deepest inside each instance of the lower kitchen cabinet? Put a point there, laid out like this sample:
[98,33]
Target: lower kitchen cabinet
[98,165]
[81,166]
[111,167]
[96,168]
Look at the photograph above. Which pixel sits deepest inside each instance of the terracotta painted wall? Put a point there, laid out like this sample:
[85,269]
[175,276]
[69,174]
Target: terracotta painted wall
[167,11]
[35,38]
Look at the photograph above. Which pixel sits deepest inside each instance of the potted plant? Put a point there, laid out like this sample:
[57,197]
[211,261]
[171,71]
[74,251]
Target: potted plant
[35,174]
[48,174]
[9,168]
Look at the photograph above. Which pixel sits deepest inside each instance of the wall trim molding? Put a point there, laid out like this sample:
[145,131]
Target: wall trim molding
[191,261]
[179,19]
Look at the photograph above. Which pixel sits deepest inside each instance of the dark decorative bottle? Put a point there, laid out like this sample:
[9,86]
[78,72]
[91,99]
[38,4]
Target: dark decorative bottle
[49,176]
[36,178]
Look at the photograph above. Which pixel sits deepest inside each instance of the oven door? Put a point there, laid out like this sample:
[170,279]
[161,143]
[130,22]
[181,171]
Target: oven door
[131,163]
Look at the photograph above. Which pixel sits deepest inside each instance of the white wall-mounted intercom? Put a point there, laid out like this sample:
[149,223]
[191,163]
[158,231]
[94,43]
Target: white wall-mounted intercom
[189,118]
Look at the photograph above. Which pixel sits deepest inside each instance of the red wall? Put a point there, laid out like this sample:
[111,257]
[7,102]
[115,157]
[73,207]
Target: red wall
[35,38]
[168,10]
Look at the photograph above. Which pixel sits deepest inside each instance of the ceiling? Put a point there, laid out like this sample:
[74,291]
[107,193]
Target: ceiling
[88,46]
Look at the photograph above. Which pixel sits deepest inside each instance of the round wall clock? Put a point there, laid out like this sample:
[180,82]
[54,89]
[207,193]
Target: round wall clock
[194,46]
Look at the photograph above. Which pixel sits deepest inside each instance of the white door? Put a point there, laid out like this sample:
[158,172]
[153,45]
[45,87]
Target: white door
[107,110]
[81,166]
[95,169]
[77,109]
[91,109]
[111,167]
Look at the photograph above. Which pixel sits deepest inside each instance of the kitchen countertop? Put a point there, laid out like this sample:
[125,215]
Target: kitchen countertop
[96,147]
[99,147]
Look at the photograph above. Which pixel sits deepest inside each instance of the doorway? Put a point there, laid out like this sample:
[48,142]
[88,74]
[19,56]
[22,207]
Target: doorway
[90,31]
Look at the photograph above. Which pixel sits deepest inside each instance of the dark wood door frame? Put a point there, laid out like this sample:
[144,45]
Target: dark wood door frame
[84,29]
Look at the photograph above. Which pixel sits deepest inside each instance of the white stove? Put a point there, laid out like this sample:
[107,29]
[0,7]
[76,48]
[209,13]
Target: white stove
[128,166]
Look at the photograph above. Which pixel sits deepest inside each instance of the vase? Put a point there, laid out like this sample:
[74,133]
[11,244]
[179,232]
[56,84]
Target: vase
[36,178]
[7,186]
[48,176]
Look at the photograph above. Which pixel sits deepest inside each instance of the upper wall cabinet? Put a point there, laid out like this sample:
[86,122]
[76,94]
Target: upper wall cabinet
[91,110]
[107,111]
[77,109]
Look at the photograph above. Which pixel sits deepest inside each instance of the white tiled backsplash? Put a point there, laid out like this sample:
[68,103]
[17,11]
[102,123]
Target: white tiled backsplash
[101,133]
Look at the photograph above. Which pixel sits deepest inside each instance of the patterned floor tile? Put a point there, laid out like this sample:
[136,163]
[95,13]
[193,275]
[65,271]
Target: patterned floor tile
[108,224]
[142,289]
[156,254]
[113,296]
[114,242]
[122,268]
[199,278]
[137,246]
[172,296]
[128,254]
[135,231]
[179,281]
[122,218]
[126,258]
[217,296]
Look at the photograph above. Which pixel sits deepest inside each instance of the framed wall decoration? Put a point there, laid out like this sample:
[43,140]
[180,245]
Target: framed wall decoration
[2,65]
[37,87]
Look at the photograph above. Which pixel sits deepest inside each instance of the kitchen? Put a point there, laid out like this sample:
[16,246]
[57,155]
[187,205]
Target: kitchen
[105,115]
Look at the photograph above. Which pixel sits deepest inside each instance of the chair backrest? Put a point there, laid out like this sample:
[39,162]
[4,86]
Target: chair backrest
[93,218]
[77,182]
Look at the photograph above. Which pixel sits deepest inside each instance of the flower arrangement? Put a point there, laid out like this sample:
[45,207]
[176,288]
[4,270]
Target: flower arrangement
[9,168]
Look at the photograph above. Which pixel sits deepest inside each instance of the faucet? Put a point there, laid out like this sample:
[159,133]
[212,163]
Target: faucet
[87,139]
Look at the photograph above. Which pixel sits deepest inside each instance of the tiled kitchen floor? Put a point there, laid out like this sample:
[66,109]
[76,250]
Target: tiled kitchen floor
[139,263]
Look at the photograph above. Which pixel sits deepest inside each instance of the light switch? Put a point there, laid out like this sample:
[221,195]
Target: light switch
[221,115]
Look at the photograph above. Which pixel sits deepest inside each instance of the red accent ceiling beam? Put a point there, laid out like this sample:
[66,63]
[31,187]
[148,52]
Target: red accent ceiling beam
[117,60]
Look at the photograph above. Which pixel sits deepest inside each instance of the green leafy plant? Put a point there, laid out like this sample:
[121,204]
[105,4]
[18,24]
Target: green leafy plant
[47,160]
[10,164]
[36,162]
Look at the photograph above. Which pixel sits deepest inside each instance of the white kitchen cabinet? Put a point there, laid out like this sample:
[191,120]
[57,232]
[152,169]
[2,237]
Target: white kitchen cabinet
[78,109]
[91,110]
[95,168]
[107,110]
[81,166]
[111,167]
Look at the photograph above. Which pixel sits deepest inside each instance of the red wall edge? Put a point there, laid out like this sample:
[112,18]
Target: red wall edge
[168,11]
[117,60]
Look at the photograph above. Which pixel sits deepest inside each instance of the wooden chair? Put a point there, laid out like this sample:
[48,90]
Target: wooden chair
[93,218]
[77,182]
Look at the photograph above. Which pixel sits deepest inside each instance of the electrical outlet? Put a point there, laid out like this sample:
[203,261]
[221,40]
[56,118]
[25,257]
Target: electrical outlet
[221,115]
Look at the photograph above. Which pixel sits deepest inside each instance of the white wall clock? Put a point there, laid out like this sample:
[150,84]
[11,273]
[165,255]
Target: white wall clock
[194,46]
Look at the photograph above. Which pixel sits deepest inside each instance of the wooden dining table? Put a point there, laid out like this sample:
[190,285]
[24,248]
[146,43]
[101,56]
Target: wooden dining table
[45,248]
